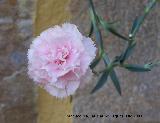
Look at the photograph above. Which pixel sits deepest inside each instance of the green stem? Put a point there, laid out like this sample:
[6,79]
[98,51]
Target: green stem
[139,21]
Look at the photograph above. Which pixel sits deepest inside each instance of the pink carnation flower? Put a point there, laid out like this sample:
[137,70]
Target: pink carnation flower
[59,58]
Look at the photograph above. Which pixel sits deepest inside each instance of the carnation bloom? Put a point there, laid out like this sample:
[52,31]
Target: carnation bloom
[59,58]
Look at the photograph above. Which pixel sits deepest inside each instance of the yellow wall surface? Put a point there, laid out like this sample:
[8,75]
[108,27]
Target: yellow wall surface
[50,13]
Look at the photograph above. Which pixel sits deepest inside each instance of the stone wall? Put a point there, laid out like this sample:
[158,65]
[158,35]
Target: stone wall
[140,91]
[17,92]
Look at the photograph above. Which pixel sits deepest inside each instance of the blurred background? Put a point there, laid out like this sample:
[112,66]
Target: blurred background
[22,102]
[17,92]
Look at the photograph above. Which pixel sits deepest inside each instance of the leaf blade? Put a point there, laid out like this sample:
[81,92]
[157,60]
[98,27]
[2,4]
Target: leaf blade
[115,81]
[95,62]
[108,27]
[101,82]
[135,23]
[139,21]
[96,29]
[136,68]
[91,30]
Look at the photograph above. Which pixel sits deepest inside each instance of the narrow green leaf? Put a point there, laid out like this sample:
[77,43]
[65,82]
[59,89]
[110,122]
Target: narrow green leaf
[127,52]
[91,30]
[150,5]
[101,82]
[138,21]
[138,24]
[106,59]
[152,64]
[108,27]
[92,6]
[135,23]
[112,73]
[95,62]
[97,32]
[136,68]
[116,82]
[113,31]
[98,37]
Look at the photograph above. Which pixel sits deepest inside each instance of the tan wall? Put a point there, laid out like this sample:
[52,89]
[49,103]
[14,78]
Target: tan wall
[50,109]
